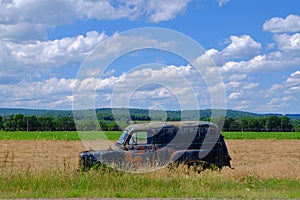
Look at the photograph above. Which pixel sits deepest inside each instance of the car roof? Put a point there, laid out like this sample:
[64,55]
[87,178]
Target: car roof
[160,125]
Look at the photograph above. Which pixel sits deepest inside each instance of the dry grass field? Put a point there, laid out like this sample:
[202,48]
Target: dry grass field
[262,158]
[265,158]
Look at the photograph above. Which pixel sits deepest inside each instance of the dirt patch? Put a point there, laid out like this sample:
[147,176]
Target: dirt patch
[262,158]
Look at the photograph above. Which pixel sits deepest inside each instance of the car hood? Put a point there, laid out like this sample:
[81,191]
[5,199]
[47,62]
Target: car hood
[106,157]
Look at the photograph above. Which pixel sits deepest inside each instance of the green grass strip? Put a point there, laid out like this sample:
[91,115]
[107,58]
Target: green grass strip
[170,184]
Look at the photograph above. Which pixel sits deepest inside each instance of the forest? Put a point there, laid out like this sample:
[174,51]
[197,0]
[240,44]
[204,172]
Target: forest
[107,122]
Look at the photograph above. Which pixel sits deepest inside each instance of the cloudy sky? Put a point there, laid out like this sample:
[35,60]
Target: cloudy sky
[254,45]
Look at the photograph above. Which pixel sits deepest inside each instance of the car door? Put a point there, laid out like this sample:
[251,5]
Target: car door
[140,148]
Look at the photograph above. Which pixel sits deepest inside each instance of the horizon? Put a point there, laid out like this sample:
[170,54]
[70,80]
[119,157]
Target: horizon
[263,113]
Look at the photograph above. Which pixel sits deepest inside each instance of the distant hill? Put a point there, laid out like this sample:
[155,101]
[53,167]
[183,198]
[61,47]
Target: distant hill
[140,112]
[36,112]
[293,116]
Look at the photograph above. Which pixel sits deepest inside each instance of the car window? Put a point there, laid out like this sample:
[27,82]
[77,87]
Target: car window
[139,138]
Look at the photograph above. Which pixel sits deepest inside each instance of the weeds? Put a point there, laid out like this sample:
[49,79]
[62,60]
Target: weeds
[179,182]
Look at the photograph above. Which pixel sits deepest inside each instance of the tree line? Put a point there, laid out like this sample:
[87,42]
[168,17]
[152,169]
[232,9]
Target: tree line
[19,122]
[262,124]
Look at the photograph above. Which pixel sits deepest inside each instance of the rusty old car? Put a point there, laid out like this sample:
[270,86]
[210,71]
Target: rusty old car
[163,144]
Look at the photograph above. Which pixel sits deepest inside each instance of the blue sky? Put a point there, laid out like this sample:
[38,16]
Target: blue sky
[255,46]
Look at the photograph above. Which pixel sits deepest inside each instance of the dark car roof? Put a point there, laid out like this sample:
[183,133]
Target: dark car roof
[159,125]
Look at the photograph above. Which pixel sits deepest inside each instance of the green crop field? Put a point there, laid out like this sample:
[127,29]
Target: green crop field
[262,135]
[59,135]
[114,135]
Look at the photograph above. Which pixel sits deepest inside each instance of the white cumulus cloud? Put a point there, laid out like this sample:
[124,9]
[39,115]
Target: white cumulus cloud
[42,56]
[269,62]
[278,25]
[288,42]
[241,47]
[165,10]
[284,95]
[32,19]
[51,93]
[144,86]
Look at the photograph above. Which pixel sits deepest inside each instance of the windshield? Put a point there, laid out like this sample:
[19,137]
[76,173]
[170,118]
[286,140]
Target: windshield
[122,137]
